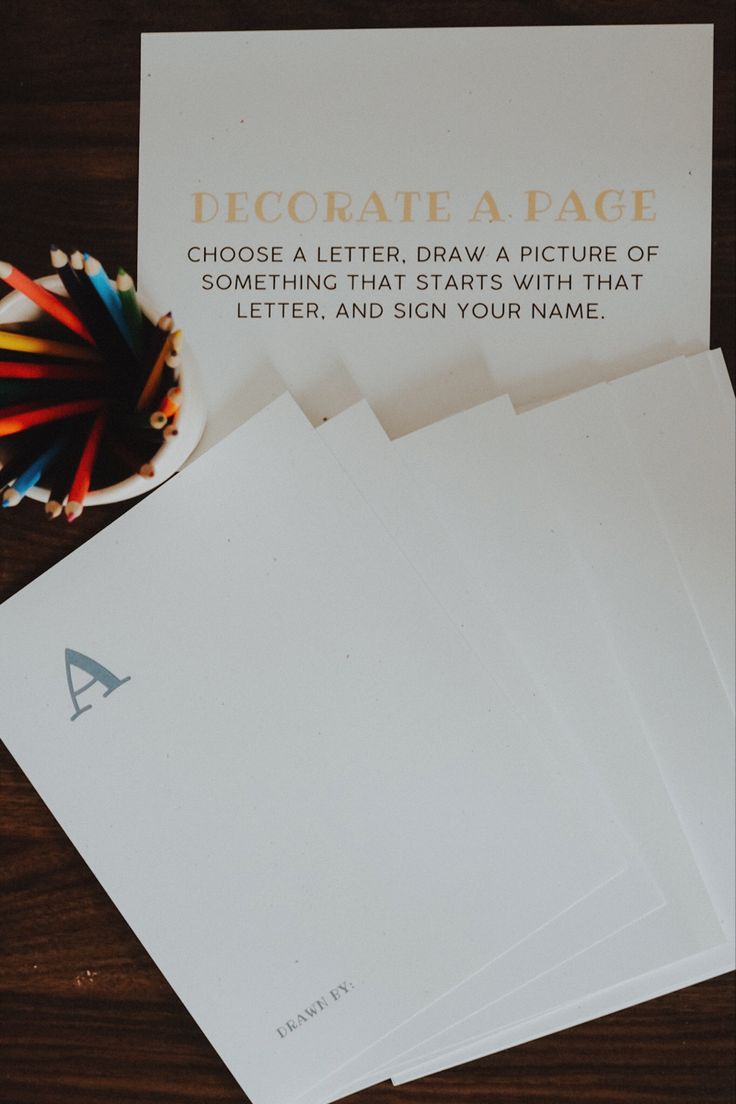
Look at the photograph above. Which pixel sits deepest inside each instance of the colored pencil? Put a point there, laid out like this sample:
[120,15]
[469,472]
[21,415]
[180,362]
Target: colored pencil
[44,346]
[154,376]
[76,289]
[44,299]
[157,335]
[65,272]
[111,342]
[73,416]
[59,476]
[83,475]
[168,408]
[131,309]
[101,283]
[19,453]
[33,473]
[14,419]
[37,370]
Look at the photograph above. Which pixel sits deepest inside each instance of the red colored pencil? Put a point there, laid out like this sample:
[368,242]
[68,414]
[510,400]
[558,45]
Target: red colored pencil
[16,418]
[31,369]
[83,475]
[44,299]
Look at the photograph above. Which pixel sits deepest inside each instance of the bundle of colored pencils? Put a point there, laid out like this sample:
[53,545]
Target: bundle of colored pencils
[89,393]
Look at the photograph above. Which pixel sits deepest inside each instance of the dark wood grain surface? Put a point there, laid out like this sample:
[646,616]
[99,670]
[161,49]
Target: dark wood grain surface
[85,1016]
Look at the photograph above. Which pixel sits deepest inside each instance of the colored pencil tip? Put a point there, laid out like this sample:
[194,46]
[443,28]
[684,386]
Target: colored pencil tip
[77,260]
[91,265]
[5,269]
[11,497]
[73,510]
[53,509]
[58,257]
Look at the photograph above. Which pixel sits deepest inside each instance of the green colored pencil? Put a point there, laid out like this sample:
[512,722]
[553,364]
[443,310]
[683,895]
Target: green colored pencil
[131,308]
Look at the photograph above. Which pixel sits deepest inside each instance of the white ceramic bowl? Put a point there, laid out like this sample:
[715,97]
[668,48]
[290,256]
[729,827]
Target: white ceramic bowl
[15,307]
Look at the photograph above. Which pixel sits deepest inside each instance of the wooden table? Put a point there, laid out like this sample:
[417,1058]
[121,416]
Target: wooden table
[85,1016]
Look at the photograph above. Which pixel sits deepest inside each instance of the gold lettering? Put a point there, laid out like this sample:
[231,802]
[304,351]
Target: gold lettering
[600,205]
[334,210]
[407,204]
[292,206]
[487,209]
[258,207]
[233,207]
[640,207]
[533,210]
[572,207]
[435,210]
[373,208]
[199,206]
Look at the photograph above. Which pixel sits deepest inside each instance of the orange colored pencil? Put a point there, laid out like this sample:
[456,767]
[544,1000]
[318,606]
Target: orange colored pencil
[32,370]
[164,326]
[168,408]
[83,475]
[43,346]
[44,299]
[21,416]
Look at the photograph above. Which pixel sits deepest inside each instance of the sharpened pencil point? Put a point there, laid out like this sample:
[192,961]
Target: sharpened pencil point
[5,269]
[91,265]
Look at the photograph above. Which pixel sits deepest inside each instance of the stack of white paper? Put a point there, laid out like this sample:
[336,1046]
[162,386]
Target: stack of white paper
[432,751]
[409,738]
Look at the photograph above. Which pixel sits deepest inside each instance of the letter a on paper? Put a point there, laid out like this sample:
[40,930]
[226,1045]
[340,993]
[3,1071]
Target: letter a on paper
[98,673]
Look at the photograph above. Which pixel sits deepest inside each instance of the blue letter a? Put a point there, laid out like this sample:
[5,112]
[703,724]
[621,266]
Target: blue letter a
[98,673]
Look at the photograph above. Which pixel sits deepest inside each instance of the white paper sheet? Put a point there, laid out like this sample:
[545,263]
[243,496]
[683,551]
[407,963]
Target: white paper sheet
[573,421]
[583,120]
[365,452]
[476,469]
[608,513]
[308,799]
[668,418]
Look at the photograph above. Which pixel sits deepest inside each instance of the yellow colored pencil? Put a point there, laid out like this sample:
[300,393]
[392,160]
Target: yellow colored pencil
[24,343]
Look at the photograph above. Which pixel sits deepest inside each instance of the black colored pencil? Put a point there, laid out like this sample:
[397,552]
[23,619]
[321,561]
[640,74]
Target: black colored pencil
[100,323]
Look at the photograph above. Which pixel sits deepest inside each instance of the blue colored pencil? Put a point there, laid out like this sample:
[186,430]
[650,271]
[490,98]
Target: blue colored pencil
[108,294]
[33,473]
[108,336]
